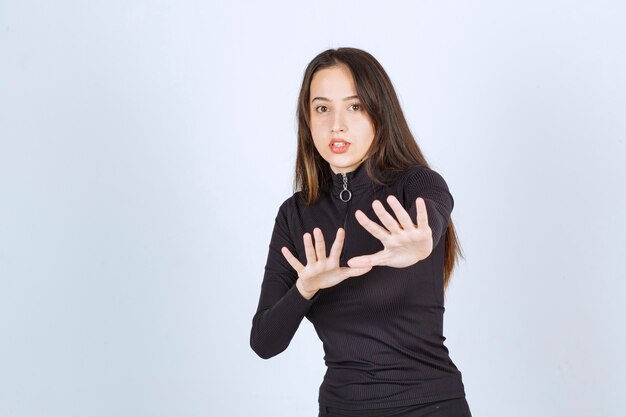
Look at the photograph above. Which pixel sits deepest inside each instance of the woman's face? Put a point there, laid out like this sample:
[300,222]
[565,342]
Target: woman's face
[337,118]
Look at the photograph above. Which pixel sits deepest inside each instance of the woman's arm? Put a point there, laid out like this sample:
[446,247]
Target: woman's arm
[281,306]
[430,185]
[412,235]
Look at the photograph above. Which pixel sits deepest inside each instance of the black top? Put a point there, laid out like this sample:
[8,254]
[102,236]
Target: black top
[382,332]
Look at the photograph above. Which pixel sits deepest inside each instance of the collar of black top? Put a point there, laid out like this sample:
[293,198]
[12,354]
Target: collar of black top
[354,179]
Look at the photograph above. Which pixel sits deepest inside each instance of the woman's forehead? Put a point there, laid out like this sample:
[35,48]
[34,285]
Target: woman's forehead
[333,83]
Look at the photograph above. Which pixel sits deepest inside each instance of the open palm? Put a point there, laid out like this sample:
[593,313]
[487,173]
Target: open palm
[404,243]
[321,271]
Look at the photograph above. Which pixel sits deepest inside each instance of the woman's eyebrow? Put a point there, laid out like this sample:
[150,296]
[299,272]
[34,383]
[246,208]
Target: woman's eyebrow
[325,99]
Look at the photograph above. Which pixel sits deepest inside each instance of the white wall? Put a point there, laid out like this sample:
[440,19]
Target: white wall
[145,148]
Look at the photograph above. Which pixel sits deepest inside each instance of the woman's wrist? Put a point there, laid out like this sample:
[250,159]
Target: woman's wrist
[303,292]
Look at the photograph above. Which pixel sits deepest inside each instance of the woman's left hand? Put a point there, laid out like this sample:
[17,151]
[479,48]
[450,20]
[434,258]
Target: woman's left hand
[404,243]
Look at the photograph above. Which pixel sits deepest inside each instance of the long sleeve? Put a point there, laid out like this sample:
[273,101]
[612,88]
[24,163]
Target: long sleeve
[281,307]
[430,185]
[382,332]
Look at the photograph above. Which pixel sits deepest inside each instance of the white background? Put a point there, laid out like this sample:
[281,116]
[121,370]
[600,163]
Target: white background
[146,146]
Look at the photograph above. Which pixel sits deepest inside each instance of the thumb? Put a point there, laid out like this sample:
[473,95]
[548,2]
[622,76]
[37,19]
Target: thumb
[378,258]
[360,262]
[355,272]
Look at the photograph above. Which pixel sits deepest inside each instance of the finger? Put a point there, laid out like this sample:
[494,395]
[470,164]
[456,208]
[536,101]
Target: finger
[309,250]
[293,261]
[378,258]
[375,229]
[355,272]
[335,249]
[320,245]
[422,215]
[387,219]
[359,262]
[403,216]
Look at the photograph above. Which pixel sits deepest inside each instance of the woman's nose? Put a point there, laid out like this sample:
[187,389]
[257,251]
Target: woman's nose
[339,122]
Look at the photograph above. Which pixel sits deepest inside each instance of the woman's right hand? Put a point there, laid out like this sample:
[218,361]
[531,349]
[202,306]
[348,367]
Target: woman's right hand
[320,271]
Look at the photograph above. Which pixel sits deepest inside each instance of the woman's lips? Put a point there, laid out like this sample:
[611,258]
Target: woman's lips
[339,148]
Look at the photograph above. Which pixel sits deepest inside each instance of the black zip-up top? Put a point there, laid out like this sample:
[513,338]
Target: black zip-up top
[382,332]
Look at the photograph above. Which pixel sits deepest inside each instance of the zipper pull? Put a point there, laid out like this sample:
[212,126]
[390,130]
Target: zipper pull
[345,189]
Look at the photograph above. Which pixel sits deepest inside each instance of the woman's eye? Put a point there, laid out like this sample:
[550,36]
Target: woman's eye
[317,109]
[358,106]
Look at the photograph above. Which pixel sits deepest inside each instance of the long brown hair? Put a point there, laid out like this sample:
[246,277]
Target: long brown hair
[394,148]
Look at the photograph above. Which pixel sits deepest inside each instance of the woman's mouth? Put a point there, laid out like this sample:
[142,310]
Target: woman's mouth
[339,146]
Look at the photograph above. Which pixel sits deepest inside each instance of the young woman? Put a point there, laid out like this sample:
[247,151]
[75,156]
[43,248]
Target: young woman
[376,299]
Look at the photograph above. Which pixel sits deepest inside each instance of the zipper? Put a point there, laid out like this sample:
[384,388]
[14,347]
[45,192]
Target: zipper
[345,195]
